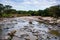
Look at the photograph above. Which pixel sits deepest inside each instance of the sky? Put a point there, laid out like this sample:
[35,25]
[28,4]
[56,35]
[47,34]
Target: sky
[30,4]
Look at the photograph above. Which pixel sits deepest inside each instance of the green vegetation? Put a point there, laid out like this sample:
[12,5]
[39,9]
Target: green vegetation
[54,32]
[7,11]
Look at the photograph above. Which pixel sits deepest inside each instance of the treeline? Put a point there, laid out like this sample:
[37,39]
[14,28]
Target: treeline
[7,11]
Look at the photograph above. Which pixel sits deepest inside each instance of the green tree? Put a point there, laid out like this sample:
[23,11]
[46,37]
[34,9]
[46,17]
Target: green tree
[7,8]
[1,9]
[31,12]
[40,12]
[54,11]
[46,13]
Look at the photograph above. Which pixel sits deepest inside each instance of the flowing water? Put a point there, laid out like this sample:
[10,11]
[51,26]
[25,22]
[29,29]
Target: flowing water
[27,30]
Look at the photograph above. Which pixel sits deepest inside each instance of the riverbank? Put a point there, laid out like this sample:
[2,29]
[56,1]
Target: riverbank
[28,28]
[46,20]
[49,20]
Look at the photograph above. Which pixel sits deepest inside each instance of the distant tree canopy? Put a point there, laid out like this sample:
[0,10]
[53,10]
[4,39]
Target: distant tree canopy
[53,11]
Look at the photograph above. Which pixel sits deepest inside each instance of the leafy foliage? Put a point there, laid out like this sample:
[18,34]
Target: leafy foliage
[7,11]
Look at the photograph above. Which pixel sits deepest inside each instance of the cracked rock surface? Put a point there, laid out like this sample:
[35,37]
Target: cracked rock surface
[27,29]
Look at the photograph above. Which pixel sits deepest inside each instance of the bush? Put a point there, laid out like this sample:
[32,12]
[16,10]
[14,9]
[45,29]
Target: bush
[6,15]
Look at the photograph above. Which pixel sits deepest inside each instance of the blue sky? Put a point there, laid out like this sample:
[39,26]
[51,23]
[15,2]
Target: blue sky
[30,4]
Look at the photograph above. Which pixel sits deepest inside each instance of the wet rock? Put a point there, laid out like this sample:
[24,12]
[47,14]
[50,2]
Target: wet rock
[30,22]
[7,37]
[11,34]
[31,37]
[31,30]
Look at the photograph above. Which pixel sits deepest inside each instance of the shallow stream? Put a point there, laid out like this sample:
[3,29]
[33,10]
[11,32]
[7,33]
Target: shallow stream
[34,29]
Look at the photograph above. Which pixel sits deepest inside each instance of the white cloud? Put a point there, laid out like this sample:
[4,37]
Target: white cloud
[30,4]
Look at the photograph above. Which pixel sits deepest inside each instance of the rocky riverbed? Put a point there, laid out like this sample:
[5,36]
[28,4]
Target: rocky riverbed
[28,28]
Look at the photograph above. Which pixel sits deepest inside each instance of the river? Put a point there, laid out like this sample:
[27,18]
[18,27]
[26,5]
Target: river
[27,29]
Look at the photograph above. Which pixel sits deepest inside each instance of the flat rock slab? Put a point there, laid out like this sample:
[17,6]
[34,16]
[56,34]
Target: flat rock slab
[24,35]
[31,37]
[17,38]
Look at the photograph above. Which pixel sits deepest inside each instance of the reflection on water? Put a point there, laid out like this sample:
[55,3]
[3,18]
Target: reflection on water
[35,30]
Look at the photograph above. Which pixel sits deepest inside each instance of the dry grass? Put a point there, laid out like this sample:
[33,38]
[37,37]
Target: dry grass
[54,32]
